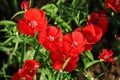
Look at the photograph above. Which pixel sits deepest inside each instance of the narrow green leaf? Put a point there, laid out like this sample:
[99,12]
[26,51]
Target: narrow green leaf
[50,9]
[5,49]
[98,76]
[59,2]
[6,41]
[18,13]
[7,22]
[58,76]
[91,63]
[89,55]
[31,3]
[85,59]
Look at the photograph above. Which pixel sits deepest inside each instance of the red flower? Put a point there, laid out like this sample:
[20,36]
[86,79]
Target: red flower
[106,56]
[28,70]
[58,59]
[34,22]
[99,20]
[92,33]
[73,44]
[30,67]
[50,38]
[114,4]
[25,4]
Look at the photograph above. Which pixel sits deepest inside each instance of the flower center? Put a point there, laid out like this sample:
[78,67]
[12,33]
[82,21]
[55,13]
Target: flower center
[50,38]
[64,58]
[106,57]
[31,70]
[74,44]
[33,24]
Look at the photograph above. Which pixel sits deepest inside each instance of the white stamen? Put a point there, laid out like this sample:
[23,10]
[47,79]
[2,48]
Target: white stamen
[33,24]
[50,38]
[106,57]
[74,44]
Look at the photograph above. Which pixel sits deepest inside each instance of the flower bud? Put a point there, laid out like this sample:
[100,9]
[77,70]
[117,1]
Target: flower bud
[24,5]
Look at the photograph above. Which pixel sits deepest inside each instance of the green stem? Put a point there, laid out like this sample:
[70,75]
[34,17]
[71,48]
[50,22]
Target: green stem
[13,52]
[9,39]
[23,57]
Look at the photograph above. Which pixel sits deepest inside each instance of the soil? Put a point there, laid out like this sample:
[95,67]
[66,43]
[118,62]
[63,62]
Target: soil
[111,72]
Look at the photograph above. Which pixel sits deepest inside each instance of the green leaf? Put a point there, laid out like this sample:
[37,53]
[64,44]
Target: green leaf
[59,2]
[18,13]
[31,3]
[91,63]
[58,76]
[85,59]
[7,40]
[98,76]
[50,9]
[7,22]
[89,55]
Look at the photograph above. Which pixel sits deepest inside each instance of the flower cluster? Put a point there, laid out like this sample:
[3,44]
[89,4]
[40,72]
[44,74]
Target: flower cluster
[64,49]
[68,46]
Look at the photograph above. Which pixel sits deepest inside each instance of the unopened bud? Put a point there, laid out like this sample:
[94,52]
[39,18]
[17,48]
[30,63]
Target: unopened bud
[25,4]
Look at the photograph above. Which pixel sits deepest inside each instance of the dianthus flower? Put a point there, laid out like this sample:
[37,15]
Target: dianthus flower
[106,56]
[99,20]
[73,44]
[51,38]
[34,21]
[58,58]
[92,33]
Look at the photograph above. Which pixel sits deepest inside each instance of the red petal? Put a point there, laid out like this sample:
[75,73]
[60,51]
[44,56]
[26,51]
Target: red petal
[32,14]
